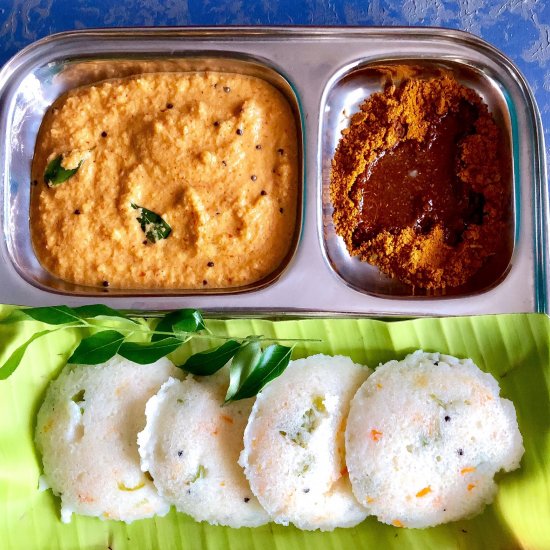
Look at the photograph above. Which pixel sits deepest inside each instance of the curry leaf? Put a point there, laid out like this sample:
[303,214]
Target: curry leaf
[53,315]
[212,360]
[55,174]
[242,365]
[271,364]
[98,348]
[97,310]
[182,320]
[154,227]
[189,325]
[148,352]
[61,315]
[15,358]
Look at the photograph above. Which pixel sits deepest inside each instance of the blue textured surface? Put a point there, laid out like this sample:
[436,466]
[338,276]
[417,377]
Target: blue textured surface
[520,28]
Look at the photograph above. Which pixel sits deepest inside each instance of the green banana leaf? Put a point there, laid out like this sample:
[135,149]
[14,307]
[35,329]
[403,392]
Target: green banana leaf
[514,348]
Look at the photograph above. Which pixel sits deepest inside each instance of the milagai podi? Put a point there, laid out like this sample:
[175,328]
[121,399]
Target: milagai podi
[421,183]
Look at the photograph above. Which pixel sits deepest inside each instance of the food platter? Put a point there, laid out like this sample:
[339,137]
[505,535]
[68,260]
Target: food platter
[504,327]
[38,75]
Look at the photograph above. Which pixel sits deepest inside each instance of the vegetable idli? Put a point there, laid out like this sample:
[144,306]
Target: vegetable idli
[191,445]
[294,455]
[86,433]
[425,437]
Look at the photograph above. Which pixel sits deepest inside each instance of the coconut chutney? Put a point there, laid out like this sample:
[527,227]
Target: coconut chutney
[213,155]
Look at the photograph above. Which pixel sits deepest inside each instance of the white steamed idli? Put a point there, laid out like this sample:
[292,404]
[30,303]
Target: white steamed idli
[86,433]
[191,445]
[294,454]
[425,437]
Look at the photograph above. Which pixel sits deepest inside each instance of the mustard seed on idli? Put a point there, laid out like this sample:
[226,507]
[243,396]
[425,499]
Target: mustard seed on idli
[86,433]
[191,447]
[294,454]
[425,437]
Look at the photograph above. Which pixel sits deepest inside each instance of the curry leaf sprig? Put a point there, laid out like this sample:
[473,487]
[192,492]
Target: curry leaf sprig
[251,366]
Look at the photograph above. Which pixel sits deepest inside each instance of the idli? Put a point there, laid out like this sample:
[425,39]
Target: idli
[191,445]
[86,433]
[425,437]
[294,456]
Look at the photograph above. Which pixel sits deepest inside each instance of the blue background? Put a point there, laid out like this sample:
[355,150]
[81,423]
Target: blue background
[520,28]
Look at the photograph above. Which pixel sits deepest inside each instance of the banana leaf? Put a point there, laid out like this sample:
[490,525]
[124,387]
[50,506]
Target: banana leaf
[513,348]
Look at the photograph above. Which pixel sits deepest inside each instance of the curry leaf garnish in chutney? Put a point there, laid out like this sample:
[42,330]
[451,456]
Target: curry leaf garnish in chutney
[55,174]
[154,227]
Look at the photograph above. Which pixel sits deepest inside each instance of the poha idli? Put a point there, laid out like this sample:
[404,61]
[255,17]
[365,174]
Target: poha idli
[191,445]
[425,437]
[86,433]
[294,444]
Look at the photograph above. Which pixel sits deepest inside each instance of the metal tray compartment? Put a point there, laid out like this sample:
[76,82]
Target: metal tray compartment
[65,74]
[344,94]
[310,61]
